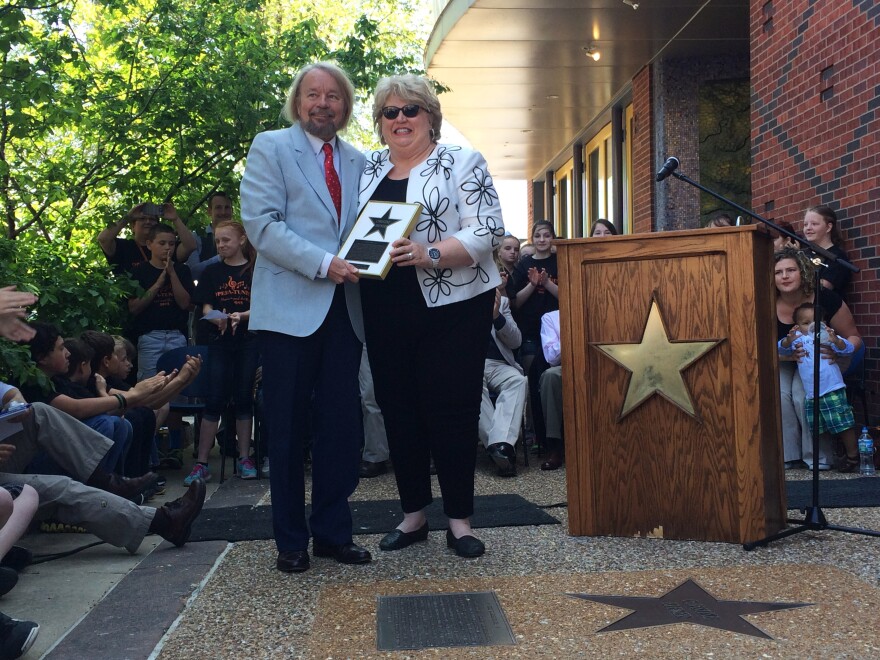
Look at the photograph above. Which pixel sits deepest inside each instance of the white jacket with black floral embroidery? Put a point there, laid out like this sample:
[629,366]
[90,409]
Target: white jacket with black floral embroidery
[458,199]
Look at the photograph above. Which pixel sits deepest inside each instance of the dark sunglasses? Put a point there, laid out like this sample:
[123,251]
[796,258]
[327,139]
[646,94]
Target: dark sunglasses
[411,110]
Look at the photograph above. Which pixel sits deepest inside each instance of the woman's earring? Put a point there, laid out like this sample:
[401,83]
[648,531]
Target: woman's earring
[433,134]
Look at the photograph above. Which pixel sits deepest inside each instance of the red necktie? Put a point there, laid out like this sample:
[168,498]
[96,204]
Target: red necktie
[332,179]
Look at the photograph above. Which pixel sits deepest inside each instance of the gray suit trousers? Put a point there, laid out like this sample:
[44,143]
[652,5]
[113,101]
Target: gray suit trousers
[78,450]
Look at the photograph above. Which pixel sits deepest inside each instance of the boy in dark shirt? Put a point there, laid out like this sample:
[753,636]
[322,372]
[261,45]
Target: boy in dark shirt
[162,314]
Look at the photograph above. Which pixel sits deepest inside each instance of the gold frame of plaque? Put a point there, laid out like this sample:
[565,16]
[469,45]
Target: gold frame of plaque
[388,221]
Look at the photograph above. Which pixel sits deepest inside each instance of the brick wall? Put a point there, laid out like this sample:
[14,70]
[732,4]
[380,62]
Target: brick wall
[643,152]
[815,132]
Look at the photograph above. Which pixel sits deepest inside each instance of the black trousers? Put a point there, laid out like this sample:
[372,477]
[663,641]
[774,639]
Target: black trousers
[427,366]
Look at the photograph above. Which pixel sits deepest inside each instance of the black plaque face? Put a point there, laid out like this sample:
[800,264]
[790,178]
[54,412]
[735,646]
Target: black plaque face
[366,251]
[441,620]
[688,603]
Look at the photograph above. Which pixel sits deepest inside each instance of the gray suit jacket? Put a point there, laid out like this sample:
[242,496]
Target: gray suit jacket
[291,221]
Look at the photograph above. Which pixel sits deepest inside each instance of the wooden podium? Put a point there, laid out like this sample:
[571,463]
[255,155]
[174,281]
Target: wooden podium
[687,319]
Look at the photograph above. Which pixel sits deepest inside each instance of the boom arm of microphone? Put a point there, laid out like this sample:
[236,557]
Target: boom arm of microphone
[668,168]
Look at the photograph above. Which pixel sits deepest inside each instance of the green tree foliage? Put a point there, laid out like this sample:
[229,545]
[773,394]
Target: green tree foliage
[107,103]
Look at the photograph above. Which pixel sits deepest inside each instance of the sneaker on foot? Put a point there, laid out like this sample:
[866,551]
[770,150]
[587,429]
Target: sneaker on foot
[246,468]
[198,472]
[265,468]
[16,636]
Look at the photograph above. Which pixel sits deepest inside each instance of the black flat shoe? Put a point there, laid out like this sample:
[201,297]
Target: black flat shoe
[398,539]
[465,546]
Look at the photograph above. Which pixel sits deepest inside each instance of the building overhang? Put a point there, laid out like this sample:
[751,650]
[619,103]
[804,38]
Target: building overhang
[522,88]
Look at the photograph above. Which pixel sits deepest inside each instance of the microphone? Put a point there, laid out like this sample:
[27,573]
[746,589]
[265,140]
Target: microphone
[668,168]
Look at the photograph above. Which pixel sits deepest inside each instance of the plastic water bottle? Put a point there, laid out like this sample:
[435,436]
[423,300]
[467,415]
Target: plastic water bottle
[866,453]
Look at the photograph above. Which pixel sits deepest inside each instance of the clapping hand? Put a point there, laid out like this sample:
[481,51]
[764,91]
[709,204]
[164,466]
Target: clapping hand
[12,310]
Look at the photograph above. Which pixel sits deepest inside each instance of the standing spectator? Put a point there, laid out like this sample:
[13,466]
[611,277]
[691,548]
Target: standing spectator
[603,227]
[720,220]
[126,254]
[793,275]
[535,285]
[161,316]
[219,210]
[428,322]
[298,203]
[225,287]
[820,227]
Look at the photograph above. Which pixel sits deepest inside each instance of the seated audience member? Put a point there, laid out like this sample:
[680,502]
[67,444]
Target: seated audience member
[500,424]
[18,504]
[72,396]
[527,250]
[835,413]
[94,499]
[161,315]
[219,210]
[374,459]
[720,220]
[112,364]
[603,227]
[101,501]
[546,394]
[821,228]
[126,254]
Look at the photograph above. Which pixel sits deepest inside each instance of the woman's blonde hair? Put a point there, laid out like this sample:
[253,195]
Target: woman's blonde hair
[412,89]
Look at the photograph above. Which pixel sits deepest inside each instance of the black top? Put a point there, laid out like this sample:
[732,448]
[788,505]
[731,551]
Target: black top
[830,303]
[129,255]
[162,313]
[836,274]
[401,283]
[528,315]
[228,288]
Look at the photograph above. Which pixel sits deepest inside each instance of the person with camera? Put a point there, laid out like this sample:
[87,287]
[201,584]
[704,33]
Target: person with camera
[126,254]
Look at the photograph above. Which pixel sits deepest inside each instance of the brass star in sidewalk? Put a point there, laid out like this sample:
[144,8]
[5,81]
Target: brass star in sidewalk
[656,364]
[687,603]
[382,223]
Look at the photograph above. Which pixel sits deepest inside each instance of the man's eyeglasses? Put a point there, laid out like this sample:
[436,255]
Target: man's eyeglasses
[411,110]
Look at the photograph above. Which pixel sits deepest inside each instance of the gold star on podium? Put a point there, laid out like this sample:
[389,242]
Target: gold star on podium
[656,364]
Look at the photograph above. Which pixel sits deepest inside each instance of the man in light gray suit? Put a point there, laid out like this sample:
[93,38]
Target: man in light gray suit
[298,203]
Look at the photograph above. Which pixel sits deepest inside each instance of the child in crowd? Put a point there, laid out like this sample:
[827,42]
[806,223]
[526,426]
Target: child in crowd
[603,227]
[161,315]
[535,291]
[506,257]
[836,416]
[225,294]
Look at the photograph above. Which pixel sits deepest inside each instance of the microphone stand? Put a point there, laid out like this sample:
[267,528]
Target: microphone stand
[814,519]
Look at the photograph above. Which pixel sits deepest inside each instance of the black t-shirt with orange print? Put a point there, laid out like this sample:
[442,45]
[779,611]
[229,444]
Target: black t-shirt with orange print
[226,288]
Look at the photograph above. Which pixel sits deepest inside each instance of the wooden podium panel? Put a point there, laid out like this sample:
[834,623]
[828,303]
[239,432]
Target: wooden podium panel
[716,474]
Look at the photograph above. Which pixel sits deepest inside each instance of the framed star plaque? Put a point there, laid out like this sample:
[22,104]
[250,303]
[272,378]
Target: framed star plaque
[368,246]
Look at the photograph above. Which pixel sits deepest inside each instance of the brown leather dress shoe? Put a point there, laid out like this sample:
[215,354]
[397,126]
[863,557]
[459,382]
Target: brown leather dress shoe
[131,488]
[181,513]
[347,553]
[553,462]
[293,562]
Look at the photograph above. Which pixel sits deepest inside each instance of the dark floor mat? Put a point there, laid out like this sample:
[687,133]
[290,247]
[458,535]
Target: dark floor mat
[835,493]
[246,523]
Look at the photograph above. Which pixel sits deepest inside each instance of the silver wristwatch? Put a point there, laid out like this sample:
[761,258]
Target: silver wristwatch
[434,256]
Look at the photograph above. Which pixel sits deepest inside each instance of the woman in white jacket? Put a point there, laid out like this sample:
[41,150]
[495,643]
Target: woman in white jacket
[426,324]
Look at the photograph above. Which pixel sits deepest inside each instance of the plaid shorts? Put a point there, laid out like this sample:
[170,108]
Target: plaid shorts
[835,413]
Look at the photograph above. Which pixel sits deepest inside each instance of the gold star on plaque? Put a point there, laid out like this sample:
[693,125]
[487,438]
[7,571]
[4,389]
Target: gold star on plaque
[656,364]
